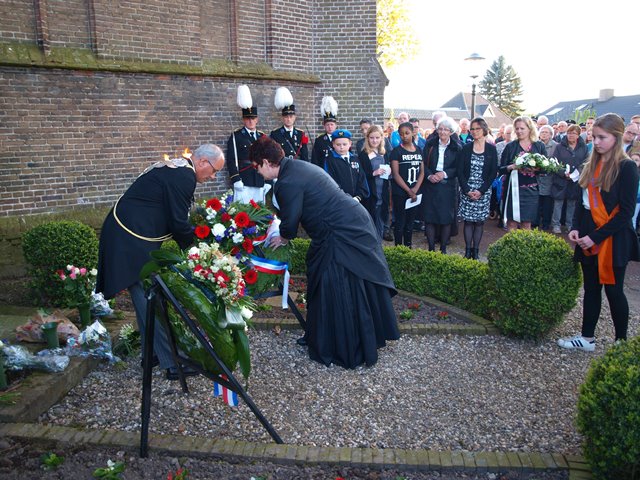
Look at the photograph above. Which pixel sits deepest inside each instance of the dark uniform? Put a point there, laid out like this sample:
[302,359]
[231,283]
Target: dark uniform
[292,142]
[321,149]
[240,168]
[348,174]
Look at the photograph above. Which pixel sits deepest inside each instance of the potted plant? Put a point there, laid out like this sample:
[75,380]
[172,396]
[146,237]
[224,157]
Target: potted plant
[79,284]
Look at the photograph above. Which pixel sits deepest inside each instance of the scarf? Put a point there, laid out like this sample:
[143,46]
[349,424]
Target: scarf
[604,250]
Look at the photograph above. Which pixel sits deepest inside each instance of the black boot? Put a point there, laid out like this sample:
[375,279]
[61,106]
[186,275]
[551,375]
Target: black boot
[474,253]
[467,253]
[443,249]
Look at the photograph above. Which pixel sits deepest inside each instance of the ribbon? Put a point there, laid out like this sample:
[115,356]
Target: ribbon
[274,267]
[228,396]
[604,250]
[513,189]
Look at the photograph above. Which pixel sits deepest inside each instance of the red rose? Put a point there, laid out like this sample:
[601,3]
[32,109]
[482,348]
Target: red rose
[247,245]
[305,139]
[214,203]
[235,250]
[226,217]
[253,203]
[242,219]
[202,231]
[251,276]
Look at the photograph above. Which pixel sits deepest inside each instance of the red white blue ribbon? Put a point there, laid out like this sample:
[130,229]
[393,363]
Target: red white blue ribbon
[229,396]
[274,267]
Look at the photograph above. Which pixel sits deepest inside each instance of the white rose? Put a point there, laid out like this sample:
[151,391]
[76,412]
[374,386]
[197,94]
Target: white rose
[545,163]
[519,161]
[218,230]
[94,271]
[237,238]
[194,251]
[532,162]
[246,313]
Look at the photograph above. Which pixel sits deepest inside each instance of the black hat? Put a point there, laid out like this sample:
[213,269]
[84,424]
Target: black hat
[329,110]
[571,122]
[583,124]
[245,102]
[289,110]
[251,112]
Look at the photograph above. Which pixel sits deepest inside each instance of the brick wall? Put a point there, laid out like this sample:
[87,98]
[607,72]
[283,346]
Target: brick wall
[344,43]
[72,139]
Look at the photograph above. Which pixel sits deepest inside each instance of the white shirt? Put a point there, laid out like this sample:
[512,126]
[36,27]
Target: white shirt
[441,150]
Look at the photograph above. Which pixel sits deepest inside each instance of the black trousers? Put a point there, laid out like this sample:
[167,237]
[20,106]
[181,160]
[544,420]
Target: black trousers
[592,303]
[403,226]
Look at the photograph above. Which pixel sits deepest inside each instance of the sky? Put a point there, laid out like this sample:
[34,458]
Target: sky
[560,50]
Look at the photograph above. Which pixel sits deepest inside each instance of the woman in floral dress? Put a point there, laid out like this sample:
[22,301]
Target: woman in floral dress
[477,167]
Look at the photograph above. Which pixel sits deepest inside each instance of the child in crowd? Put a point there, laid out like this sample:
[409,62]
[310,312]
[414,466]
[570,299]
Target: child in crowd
[373,158]
[344,168]
[408,174]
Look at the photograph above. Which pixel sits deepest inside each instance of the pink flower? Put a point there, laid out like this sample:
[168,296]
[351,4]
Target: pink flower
[72,275]
[83,271]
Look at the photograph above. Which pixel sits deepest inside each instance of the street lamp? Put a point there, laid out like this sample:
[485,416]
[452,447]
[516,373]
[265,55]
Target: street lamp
[474,61]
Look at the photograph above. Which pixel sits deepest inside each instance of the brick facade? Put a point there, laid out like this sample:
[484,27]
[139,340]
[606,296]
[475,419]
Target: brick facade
[75,137]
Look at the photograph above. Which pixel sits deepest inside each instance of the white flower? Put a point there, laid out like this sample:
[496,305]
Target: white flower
[218,230]
[193,251]
[532,162]
[545,163]
[246,313]
[237,237]
[94,271]
[519,161]
[70,267]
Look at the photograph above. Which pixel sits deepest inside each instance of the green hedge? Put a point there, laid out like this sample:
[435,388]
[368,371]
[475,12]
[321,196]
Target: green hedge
[529,284]
[609,413]
[52,246]
[536,282]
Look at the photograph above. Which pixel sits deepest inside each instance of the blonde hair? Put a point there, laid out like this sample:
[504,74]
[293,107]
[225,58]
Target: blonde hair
[368,148]
[533,131]
[613,125]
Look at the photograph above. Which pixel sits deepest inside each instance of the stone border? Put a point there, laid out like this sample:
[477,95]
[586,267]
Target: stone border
[479,325]
[370,458]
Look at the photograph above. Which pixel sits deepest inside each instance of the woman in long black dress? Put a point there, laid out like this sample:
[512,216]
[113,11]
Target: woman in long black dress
[349,288]
[520,192]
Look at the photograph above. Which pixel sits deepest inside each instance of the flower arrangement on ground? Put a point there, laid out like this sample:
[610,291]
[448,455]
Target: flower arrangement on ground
[538,162]
[79,283]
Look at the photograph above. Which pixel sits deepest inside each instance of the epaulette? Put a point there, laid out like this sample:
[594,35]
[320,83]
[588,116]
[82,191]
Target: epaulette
[260,132]
[238,129]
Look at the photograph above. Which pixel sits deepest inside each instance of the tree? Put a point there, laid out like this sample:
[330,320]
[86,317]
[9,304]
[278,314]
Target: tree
[395,34]
[502,86]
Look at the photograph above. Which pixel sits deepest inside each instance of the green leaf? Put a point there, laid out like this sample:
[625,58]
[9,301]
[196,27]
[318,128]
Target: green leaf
[165,257]
[148,268]
[242,349]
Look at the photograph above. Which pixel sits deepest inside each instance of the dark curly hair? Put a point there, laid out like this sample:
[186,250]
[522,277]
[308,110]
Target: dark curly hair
[266,148]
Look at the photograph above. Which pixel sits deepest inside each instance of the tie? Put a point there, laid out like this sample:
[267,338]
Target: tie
[253,135]
[346,159]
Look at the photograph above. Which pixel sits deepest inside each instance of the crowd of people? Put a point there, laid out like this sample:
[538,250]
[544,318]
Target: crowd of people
[349,198]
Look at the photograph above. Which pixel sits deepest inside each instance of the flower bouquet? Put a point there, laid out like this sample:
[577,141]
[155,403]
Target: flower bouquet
[79,283]
[237,228]
[538,162]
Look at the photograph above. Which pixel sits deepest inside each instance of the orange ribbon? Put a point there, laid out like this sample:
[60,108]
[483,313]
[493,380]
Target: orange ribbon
[604,250]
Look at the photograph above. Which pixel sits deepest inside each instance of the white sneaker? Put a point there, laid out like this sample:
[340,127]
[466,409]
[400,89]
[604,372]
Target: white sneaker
[578,343]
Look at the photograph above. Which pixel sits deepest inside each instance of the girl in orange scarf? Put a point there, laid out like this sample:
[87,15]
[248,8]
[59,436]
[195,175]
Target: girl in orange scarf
[605,239]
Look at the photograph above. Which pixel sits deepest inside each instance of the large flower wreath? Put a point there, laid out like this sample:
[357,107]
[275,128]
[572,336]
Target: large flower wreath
[216,279]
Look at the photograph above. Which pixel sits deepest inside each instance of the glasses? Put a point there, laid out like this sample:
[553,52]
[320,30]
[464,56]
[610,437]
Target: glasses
[443,129]
[215,170]
[474,129]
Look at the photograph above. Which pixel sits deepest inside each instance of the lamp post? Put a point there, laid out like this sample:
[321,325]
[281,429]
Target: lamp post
[474,60]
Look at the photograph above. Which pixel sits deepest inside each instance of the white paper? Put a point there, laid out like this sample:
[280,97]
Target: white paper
[567,168]
[575,175]
[409,204]
[387,171]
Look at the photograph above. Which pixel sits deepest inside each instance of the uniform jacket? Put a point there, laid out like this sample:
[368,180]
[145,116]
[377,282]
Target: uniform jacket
[292,145]
[349,176]
[240,167]
[156,204]
[321,149]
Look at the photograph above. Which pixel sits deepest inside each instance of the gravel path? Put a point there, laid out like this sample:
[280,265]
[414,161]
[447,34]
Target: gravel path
[436,392]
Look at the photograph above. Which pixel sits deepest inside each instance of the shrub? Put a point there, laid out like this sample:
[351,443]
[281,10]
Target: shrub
[536,282]
[298,264]
[448,278]
[52,246]
[609,413]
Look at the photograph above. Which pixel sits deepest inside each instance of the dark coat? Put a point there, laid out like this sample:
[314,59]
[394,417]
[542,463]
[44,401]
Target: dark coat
[321,149]
[563,187]
[240,167]
[370,202]
[489,169]
[349,176]
[156,204]
[293,146]
[623,192]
